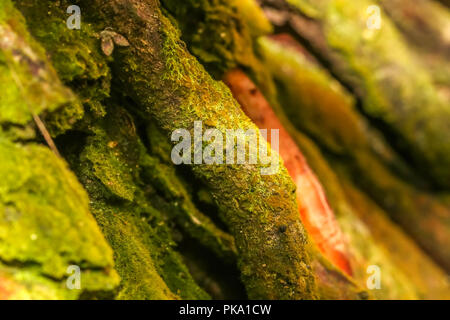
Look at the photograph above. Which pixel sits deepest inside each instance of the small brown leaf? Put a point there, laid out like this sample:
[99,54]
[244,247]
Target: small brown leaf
[120,40]
[107,45]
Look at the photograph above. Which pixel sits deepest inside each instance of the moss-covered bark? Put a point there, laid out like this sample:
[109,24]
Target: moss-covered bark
[273,264]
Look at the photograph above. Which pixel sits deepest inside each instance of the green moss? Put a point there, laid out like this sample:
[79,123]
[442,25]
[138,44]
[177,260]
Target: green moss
[221,24]
[75,54]
[45,223]
[110,166]
[114,156]
[312,10]
[253,16]
[195,223]
[134,254]
[18,284]
[31,84]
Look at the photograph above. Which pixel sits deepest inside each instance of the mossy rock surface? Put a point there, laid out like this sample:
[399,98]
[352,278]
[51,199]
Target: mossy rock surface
[46,225]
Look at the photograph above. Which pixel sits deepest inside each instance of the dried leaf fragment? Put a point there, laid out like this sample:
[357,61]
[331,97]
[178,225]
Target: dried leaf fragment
[120,40]
[110,37]
[107,45]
